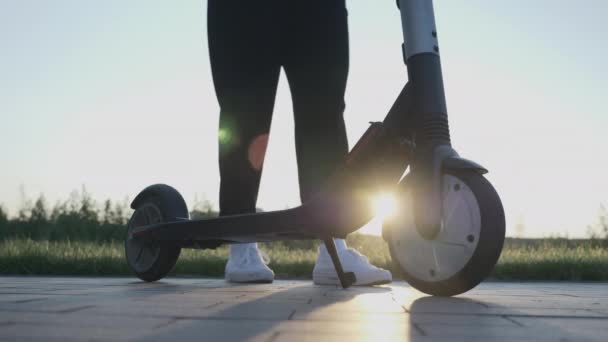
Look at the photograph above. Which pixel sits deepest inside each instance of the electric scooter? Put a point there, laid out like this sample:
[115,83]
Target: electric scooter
[449,227]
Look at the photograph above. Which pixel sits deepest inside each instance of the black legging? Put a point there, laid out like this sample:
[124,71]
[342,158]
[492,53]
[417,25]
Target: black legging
[249,42]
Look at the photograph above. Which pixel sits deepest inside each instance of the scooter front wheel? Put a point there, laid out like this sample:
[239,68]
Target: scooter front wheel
[468,245]
[152,260]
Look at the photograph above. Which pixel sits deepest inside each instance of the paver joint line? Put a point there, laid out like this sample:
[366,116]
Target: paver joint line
[80,308]
[213,305]
[166,324]
[274,336]
[419,329]
[513,315]
[483,304]
[29,300]
[218,318]
[45,294]
[512,321]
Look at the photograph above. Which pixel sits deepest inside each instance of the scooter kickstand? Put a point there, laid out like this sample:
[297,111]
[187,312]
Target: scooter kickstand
[347,279]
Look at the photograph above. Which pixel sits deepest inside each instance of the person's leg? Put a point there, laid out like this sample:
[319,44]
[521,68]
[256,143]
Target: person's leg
[317,65]
[245,74]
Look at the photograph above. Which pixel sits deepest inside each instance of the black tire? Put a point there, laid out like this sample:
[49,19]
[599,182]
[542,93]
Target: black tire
[151,260]
[488,249]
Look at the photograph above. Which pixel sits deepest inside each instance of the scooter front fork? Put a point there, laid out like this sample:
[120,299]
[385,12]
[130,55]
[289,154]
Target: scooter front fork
[428,168]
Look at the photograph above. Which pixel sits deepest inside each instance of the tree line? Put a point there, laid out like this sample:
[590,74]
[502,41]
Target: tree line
[80,218]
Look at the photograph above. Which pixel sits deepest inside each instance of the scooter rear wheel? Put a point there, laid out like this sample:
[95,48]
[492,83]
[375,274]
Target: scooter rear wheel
[466,249]
[151,260]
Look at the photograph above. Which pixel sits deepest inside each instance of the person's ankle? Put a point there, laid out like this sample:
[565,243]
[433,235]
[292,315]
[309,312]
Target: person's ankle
[237,249]
[340,246]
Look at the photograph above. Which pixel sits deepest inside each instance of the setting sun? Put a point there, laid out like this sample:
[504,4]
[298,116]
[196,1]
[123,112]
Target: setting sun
[384,205]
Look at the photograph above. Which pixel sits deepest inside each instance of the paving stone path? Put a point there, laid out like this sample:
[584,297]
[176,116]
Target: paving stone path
[114,309]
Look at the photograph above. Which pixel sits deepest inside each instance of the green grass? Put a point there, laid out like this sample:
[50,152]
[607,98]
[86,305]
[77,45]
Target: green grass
[553,259]
[546,259]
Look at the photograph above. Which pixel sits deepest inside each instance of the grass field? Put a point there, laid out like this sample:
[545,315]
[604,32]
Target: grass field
[545,259]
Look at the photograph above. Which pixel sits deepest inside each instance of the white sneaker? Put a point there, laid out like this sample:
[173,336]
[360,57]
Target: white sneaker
[324,272]
[247,265]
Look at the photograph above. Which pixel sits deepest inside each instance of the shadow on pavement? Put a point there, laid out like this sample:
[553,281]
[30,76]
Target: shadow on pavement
[465,319]
[261,317]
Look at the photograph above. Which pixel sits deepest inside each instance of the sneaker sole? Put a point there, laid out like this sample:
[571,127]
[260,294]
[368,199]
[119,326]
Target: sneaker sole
[331,279]
[250,280]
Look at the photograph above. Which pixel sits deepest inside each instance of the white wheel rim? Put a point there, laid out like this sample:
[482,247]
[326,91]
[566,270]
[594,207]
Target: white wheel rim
[447,254]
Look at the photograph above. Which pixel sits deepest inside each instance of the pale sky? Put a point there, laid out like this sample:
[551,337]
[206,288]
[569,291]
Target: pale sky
[117,94]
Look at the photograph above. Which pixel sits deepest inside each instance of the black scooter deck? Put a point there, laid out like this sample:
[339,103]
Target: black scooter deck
[319,219]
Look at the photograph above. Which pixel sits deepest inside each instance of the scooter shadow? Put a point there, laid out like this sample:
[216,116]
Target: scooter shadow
[253,312]
[466,319]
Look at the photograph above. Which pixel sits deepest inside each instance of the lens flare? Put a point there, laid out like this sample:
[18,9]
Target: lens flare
[257,150]
[384,205]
